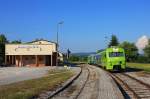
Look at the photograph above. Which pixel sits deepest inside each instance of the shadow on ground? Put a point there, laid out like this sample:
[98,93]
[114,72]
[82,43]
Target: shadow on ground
[128,69]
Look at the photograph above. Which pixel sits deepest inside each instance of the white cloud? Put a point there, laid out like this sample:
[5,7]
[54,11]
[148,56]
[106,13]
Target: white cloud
[142,42]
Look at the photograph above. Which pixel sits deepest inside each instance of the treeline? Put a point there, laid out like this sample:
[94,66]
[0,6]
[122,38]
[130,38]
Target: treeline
[77,58]
[131,51]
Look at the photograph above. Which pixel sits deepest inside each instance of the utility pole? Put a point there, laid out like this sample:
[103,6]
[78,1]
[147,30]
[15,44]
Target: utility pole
[57,45]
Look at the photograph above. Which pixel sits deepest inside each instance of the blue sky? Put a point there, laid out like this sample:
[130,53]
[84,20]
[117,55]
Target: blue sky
[86,22]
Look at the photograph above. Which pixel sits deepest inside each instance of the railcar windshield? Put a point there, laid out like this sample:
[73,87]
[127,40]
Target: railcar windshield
[116,54]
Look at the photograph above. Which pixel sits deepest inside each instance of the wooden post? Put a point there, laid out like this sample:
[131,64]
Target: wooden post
[36,60]
[20,60]
[15,60]
[9,60]
[12,59]
[51,60]
[5,59]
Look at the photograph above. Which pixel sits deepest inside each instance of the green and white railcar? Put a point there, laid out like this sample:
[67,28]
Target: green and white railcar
[91,59]
[112,59]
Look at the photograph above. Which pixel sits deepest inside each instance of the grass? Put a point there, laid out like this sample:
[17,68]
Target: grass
[141,66]
[31,88]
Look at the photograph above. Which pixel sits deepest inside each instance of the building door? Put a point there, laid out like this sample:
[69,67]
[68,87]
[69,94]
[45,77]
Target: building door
[48,60]
[54,58]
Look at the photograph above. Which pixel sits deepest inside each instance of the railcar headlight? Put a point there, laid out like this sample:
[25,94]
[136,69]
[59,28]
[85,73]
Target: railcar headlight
[120,62]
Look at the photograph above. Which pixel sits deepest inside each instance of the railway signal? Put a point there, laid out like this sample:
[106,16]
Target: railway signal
[68,53]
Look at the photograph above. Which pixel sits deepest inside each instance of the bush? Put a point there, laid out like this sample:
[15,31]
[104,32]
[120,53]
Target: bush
[73,58]
[142,59]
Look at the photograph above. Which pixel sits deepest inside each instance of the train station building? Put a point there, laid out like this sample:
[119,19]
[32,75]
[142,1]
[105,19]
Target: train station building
[36,53]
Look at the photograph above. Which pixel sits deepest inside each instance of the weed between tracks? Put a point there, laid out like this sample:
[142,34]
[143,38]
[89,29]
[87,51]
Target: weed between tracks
[31,88]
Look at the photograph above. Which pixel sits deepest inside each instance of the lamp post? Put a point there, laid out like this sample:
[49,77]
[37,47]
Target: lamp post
[57,45]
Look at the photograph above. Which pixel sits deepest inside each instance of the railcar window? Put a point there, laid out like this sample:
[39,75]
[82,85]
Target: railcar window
[97,57]
[116,54]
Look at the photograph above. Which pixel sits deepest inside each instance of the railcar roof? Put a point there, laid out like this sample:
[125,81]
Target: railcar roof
[117,49]
[111,49]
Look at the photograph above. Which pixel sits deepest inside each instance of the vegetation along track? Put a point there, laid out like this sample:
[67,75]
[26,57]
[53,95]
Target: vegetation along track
[131,87]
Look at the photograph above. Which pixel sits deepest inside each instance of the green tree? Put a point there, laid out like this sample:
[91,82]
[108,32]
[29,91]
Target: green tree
[98,51]
[3,40]
[74,58]
[131,51]
[16,42]
[142,59]
[83,58]
[113,41]
[147,51]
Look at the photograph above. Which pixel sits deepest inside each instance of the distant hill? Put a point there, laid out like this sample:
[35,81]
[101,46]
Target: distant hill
[83,53]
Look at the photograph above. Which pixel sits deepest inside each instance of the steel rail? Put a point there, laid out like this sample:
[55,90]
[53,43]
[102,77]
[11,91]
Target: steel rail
[116,78]
[141,82]
[83,84]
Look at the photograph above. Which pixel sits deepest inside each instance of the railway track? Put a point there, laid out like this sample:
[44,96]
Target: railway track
[131,87]
[80,91]
[74,90]
[91,88]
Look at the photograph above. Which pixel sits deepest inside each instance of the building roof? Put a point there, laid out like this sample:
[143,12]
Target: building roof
[38,40]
